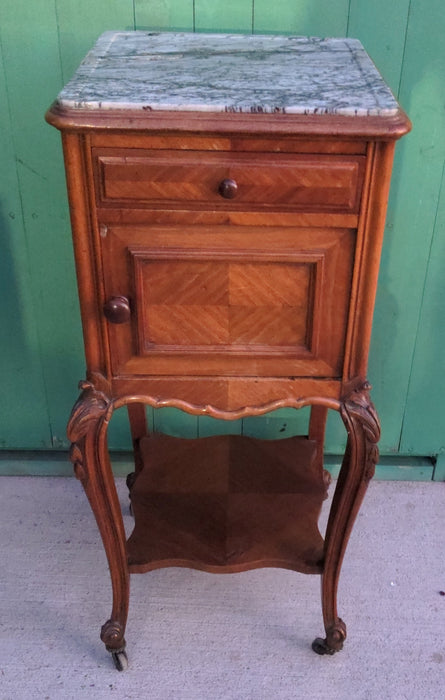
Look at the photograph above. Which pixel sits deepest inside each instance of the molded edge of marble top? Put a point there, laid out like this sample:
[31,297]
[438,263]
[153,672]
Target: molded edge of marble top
[151,71]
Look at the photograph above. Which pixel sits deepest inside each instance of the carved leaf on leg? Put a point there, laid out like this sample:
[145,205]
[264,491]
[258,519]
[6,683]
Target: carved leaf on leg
[359,414]
[90,407]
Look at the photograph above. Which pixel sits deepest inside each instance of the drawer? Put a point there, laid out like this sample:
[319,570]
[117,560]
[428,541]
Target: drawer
[205,179]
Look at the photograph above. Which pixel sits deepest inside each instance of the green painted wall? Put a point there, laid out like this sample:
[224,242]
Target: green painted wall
[42,42]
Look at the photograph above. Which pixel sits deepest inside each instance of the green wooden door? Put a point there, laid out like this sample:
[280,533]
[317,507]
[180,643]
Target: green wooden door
[40,348]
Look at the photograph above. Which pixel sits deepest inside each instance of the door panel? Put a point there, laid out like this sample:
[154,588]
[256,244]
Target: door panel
[229,300]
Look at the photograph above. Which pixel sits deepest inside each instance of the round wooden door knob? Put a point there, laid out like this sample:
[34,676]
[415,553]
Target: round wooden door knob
[117,310]
[228,188]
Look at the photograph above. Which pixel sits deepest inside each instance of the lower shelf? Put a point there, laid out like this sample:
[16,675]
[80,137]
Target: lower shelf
[227,504]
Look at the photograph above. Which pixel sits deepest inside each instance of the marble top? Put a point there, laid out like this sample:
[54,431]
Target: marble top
[142,70]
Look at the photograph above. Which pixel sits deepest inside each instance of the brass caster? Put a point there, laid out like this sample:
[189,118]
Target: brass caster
[120,659]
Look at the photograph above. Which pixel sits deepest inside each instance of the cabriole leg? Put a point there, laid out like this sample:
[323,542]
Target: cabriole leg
[358,467]
[87,430]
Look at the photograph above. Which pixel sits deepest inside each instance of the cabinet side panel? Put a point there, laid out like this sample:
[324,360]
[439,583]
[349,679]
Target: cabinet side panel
[369,245]
[92,321]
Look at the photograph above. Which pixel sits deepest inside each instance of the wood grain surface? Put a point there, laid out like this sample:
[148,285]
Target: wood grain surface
[227,503]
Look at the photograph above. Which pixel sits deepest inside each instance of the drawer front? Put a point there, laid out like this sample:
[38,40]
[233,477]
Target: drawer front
[202,179]
[228,301]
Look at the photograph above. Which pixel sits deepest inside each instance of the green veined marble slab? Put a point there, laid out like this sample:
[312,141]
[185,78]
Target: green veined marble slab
[228,72]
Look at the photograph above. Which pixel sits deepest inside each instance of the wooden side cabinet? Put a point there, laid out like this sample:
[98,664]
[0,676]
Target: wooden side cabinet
[228,198]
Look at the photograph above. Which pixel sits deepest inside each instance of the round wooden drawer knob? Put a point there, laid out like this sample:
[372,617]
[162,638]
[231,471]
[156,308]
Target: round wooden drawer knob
[117,310]
[228,188]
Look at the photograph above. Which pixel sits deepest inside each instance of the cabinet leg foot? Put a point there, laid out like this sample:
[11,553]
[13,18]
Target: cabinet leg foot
[112,635]
[335,636]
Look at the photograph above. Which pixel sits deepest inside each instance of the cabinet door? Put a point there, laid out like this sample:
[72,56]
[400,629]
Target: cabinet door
[225,300]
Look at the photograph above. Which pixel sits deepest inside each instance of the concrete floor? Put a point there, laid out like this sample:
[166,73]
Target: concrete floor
[198,636]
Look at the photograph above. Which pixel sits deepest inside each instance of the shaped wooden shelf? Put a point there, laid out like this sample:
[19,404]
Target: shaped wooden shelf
[227,504]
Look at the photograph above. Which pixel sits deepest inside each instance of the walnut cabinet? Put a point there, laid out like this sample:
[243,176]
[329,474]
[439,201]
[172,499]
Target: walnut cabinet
[227,262]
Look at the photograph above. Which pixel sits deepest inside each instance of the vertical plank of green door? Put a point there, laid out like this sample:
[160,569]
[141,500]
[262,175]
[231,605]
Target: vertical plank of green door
[80,23]
[424,424]
[305,17]
[24,421]
[411,217]
[173,15]
[223,16]
[33,74]
[381,27]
